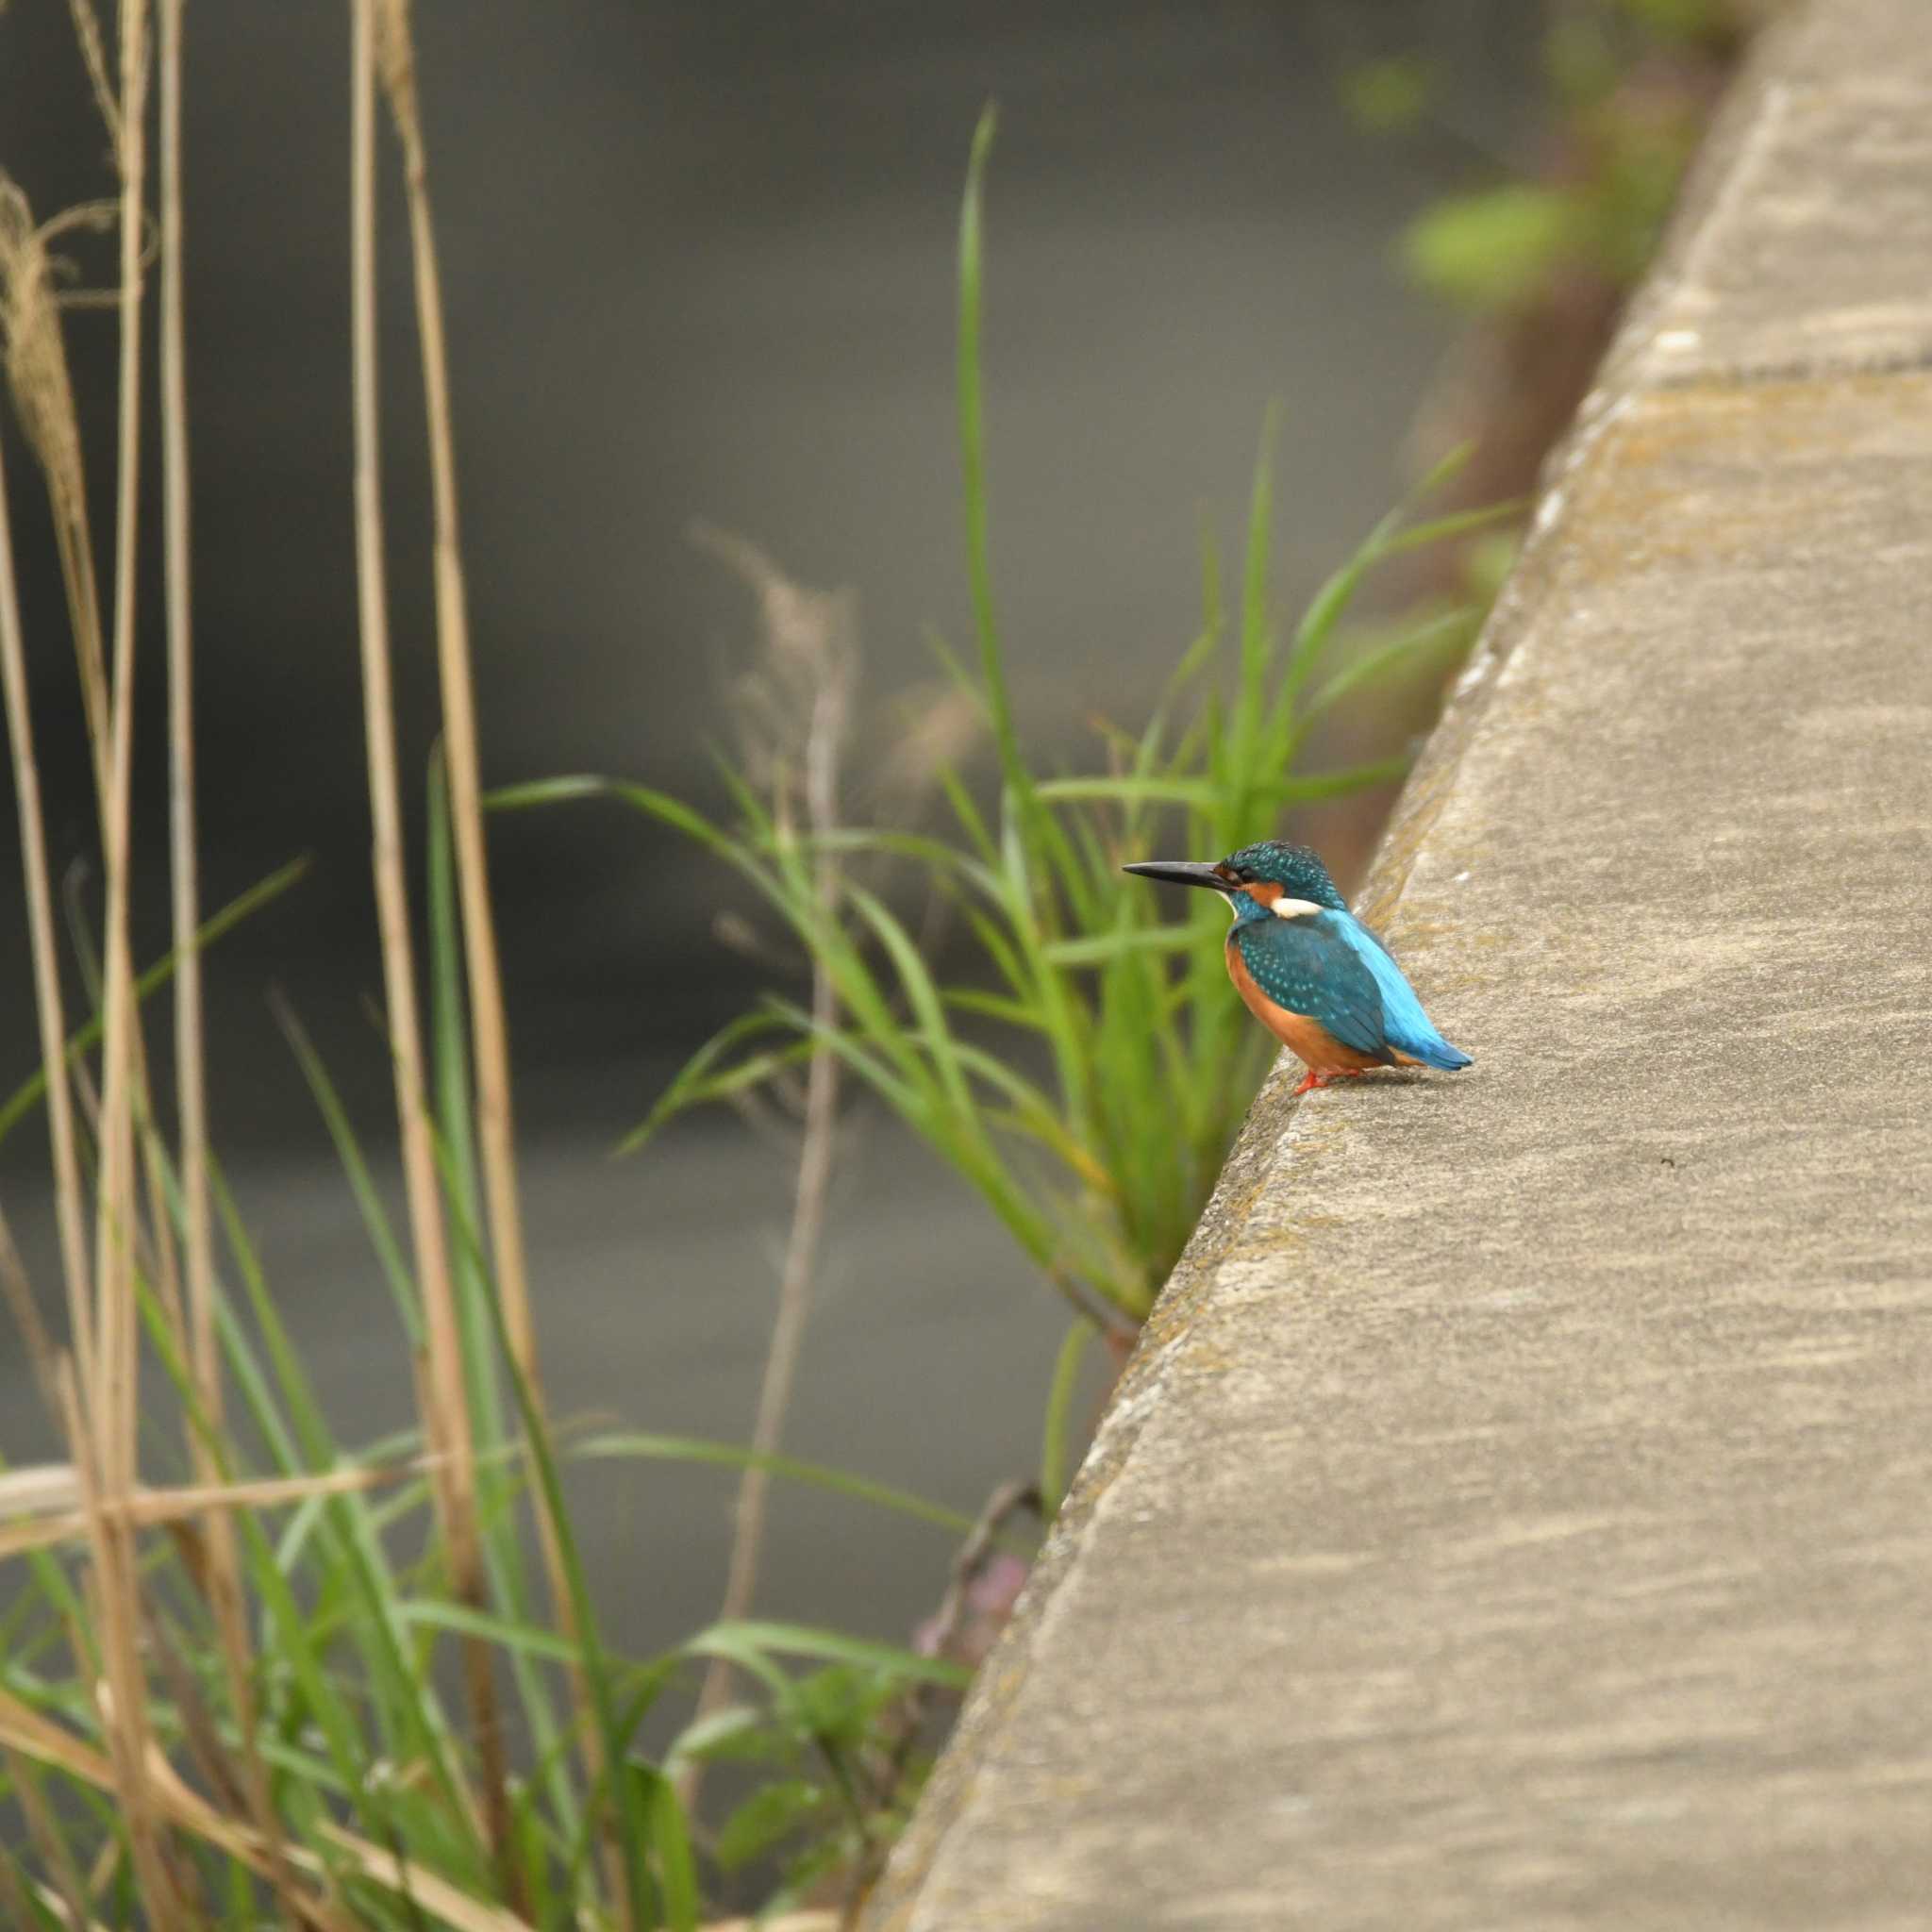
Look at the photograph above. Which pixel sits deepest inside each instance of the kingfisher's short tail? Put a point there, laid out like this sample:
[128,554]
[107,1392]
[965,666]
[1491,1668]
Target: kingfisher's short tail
[1435,1052]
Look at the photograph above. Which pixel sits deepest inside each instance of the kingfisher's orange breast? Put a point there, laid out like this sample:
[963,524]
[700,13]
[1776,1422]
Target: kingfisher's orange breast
[1308,1040]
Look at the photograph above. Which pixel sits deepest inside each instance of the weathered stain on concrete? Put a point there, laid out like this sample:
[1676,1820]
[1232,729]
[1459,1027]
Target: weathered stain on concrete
[1517,1512]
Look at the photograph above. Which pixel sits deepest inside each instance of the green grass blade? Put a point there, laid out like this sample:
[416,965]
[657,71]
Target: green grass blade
[700,1079]
[678,1875]
[743,1634]
[1103,947]
[653,803]
[1438,637]
[27,1096]
[625,1443]
[497,1484]
[1060,1403]
[1462,523]
[1353,778]
[972,459]
[1256,641]
[361,1181]
[632,1830]
[923,995]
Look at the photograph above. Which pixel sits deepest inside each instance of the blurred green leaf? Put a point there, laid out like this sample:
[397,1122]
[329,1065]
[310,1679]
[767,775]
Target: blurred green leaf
[1492,250]
[837,1706]
[1580,58]
[1389,96]
[1486,564]
[742,1636]
[1680,21]
[773,1812]
[741,1732]
[676,1870]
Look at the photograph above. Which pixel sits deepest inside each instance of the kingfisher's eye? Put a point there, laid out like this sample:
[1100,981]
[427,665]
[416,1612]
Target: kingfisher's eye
[1244,876]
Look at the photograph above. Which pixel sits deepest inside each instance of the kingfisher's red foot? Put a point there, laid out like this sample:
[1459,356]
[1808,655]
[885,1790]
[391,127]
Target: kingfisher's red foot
[1312,1079]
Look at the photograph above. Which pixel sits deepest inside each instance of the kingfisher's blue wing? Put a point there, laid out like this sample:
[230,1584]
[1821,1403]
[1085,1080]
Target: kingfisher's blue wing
[1406,1027]
[1308,966]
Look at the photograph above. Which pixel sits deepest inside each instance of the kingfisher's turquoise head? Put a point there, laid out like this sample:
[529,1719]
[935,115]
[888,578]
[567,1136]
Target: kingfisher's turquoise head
[1256,878]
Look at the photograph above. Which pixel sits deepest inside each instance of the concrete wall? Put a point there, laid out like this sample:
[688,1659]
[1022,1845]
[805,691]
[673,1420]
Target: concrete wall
[1519,1513]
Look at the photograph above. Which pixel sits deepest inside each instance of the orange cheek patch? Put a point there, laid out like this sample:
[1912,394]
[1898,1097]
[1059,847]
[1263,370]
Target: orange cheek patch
[1265,891]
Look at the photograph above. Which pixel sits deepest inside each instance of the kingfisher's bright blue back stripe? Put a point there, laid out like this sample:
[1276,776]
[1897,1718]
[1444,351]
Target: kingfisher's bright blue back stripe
[1407,1026]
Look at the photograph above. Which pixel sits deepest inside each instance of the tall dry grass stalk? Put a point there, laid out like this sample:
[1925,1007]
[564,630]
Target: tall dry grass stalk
[68,1199]
[395,53]
[42,1506]
[447,1402]
[97,1401]
[43,393]
[104,1426]
[223,1571]
[395,57]
[17,1293]
[190,1088]
[87,34]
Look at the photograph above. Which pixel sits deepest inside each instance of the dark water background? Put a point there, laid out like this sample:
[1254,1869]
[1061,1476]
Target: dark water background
[699,261]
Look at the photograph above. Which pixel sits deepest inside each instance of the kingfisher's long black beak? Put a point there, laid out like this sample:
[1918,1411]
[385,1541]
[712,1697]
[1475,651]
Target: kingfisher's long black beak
[1179,871]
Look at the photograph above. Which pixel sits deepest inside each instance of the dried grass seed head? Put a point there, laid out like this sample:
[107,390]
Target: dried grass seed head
[396,62]
[34,348]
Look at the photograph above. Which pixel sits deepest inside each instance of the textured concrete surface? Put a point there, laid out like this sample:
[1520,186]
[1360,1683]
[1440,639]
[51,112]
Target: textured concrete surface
[1519,1514]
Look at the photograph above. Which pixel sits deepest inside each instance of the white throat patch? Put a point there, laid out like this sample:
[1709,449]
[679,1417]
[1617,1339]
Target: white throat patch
[1282,908]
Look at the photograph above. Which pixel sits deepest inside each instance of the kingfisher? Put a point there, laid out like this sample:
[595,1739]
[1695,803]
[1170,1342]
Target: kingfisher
[1309,970]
